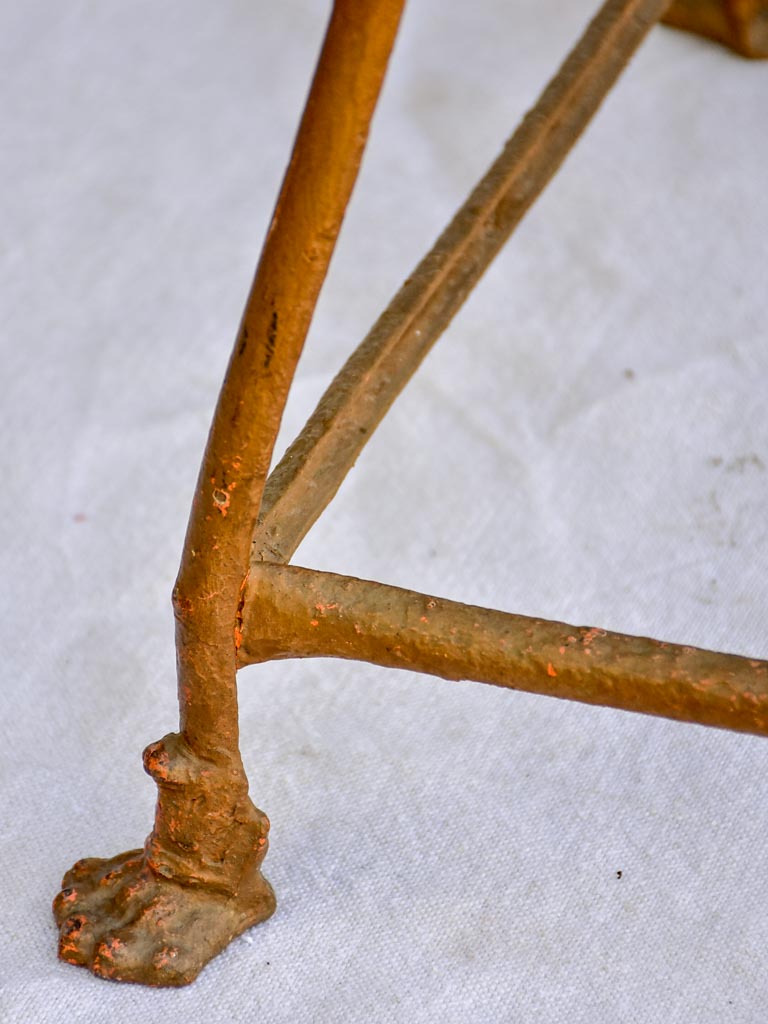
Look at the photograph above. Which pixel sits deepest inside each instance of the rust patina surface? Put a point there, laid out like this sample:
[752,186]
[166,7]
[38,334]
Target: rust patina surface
[740,24]
[157,915]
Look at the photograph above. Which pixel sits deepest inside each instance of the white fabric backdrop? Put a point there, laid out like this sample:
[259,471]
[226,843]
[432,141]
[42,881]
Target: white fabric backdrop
[588,443]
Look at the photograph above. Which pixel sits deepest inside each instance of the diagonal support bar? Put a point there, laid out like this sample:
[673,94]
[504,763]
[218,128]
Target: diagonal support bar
[300,613]
[313,468]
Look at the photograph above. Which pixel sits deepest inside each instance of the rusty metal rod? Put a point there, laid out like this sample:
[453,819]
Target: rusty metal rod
[307,218]
[313,468]
[295,612]
[156,915]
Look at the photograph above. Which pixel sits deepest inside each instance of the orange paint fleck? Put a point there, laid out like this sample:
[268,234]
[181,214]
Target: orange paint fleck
[590,634]
[110,947]
[221,500]
[164,957]
[551,669]
[314,622]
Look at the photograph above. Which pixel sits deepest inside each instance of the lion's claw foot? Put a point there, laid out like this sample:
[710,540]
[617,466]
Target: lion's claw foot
[124,922]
